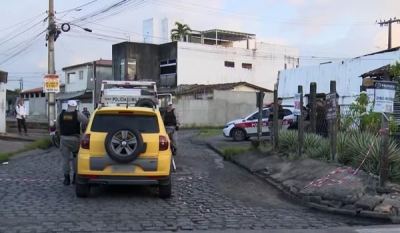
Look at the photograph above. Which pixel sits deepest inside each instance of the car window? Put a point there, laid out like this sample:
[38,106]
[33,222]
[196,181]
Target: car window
[264,115]
[143,123]
[287,112]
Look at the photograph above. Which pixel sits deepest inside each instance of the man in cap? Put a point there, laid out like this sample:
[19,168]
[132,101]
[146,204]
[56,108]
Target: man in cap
[68,123]
[171,120]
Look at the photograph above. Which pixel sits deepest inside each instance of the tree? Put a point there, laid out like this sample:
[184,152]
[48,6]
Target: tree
[179,33]
[17,90]
[395,73]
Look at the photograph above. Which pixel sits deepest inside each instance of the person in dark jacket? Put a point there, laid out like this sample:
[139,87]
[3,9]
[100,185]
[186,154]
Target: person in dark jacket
[281,115]
[171,120]
[69,127]
[321,121]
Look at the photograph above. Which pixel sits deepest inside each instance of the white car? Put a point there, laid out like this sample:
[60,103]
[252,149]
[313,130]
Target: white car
[243,129]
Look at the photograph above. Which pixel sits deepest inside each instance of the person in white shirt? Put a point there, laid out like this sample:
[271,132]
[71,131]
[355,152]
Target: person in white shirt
[21,116]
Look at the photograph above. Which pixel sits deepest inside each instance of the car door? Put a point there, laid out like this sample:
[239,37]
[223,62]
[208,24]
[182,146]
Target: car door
[252,123]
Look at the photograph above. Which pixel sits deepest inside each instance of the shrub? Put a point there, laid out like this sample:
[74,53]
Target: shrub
[360,116]
[358,146]
[288,140]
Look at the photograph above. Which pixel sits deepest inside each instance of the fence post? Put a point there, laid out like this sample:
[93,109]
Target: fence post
[333,127]
[311,102]
[384,166]
[301,122]
[275,119]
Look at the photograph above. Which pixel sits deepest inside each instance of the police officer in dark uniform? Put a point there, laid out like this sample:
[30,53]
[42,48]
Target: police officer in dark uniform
[171,121]
[69,125]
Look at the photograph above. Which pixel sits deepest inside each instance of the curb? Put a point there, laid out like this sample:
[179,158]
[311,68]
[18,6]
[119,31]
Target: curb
[12,138]
[311,205]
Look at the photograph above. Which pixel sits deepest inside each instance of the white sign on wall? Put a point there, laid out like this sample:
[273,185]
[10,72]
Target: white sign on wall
[385,92]
[297,107]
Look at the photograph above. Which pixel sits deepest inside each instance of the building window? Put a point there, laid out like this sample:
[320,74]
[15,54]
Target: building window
[122,67]
[168,67]
[81,75]
[132,70]
[71,78]
[247,66]
[36,95]
[42,94]
[229,64]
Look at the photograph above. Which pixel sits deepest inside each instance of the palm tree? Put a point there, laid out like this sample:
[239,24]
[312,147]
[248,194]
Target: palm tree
[179,33]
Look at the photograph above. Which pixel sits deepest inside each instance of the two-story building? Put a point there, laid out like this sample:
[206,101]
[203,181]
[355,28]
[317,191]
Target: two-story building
[83,83]
[208,57]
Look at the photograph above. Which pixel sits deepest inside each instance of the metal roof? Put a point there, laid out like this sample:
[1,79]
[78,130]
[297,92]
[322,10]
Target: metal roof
[224,35]
[192,89]
[377,72]
[101,62]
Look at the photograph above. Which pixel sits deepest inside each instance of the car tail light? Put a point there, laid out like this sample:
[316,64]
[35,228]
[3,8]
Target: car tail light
[289,121]
[52,129]
[163,143]
[91,176]
[85,142]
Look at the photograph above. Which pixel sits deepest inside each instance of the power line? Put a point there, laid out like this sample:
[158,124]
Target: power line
[23,32]
[4,29]
[77,8]
[244,17]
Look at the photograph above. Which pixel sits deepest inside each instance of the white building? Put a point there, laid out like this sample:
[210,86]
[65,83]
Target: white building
[210,57]
[346,73]
[82,85]
[158,30]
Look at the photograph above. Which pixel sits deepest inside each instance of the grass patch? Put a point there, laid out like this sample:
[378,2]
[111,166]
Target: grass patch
[231,151]
[264,148]
[43,143]
[209,132]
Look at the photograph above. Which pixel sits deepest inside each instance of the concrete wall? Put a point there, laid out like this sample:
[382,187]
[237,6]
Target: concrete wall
[224,107]
[205,64]
[346,73]
[37,107]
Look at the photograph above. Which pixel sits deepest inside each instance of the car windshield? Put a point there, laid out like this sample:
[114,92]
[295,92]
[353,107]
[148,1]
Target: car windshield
[143,123]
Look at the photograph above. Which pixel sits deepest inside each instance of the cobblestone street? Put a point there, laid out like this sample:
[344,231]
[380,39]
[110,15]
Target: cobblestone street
[207,194]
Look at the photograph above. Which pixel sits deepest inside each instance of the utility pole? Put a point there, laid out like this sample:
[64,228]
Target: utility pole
[51,63]
[95,101]
[389,23]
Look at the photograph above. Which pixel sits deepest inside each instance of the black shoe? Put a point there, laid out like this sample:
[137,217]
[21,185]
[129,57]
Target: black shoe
[174,151]
[73,179]
[67,180]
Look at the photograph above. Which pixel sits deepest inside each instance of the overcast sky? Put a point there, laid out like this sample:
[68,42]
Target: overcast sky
[322,29]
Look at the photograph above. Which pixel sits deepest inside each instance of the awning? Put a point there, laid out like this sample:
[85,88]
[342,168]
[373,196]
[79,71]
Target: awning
[70,95]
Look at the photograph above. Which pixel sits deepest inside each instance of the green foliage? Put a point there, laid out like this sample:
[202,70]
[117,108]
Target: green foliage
[288,140]
[181,30]
[352,148]
[360,116]
[44,143]
[395,73]
[231,151]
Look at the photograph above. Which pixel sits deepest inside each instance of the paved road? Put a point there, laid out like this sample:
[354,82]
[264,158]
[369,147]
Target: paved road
[208,194]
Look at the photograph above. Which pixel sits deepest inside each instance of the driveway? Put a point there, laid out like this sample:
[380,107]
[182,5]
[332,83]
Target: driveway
[208,193]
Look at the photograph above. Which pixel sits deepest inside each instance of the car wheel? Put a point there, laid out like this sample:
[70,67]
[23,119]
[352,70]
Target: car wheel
[82,190]
[238,135]
[147,103]
[56,141]
[165,191]
[124,145]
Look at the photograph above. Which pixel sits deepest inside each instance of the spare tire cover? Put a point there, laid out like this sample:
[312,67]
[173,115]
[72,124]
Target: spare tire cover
[147,103]
[123,145]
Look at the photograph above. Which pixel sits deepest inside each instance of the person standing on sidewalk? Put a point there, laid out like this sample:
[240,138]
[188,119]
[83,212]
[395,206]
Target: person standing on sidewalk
[69,125]
[21,116]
